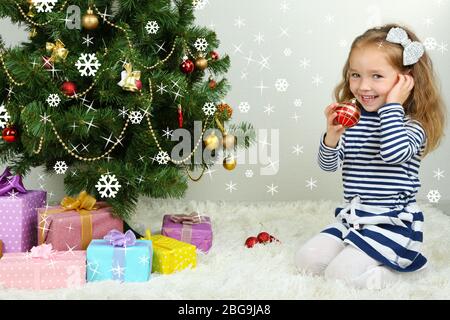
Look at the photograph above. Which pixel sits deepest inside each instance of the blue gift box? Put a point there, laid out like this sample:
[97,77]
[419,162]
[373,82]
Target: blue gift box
[126,264]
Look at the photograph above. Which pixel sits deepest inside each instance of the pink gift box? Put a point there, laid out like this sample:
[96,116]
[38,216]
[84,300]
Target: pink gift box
[18,220]
[62,270]
[198,234]
[64,230]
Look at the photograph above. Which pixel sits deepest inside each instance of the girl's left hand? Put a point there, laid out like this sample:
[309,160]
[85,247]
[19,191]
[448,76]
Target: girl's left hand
[401,90]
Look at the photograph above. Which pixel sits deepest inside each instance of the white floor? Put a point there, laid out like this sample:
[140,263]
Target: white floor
[232,271]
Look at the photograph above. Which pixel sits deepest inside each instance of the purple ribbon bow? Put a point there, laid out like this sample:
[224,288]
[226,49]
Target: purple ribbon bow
[9,182]
[119,239]
[192,218]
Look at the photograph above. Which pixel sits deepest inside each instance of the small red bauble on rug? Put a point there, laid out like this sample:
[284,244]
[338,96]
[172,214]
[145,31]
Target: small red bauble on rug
[348,113]
[251,241]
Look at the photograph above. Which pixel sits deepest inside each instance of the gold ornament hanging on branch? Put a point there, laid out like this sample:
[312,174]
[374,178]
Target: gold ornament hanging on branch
[30,8]
[201,63]
[90,20]
[58,50]
[130,80]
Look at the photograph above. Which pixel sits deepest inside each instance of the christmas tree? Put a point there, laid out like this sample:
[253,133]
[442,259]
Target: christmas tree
[100,87]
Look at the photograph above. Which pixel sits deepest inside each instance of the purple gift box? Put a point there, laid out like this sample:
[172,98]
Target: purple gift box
[18,220]
[193,229]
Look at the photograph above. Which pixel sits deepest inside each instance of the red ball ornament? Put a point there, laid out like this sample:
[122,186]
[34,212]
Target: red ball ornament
[251,241]
[263,237]
[47,62]
[348,113]
[139,84]
[212,84]
[214,55]
[69,88]
[187,66]
[10,134]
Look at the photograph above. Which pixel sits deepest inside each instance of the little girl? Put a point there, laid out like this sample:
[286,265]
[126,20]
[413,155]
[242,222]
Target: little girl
[378,230]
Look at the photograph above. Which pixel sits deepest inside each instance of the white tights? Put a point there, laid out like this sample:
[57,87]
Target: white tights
[324,254]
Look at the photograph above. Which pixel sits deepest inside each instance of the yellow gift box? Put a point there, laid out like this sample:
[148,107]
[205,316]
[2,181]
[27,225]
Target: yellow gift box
[171,255]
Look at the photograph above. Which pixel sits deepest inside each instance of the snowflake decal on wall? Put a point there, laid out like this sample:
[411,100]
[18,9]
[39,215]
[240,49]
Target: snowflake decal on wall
[281,85]
[88,64]
[4,116]
[244,107]
[108,186]
[434,196]
[430,44]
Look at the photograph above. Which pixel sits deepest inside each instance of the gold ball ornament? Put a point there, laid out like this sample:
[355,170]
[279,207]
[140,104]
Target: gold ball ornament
[90,20]
[229,141]
[201,63]
[229,163]
[211,141]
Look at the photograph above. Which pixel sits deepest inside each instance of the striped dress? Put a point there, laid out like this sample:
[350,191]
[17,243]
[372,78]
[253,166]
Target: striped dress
[380,160]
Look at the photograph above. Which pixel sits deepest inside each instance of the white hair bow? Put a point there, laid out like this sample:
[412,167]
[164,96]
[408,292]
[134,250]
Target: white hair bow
[413,50]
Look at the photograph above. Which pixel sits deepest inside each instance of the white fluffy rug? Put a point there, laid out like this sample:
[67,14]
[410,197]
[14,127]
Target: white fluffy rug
[232,271]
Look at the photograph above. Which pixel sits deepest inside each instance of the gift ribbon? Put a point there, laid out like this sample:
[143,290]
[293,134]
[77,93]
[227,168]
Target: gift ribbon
[58,50]
[119,239]
[148,235]
[83,204]
[187,220]
[44,251]
[9,182]
[129,78]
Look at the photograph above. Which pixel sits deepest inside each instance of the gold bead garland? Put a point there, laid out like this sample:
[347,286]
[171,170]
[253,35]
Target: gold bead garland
[35,23]
[161,61]
[89,159]
[115,26]
[156,139]
[11,79]
[130,45]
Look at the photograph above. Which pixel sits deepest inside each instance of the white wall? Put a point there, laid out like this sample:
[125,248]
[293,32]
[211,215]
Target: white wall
[321,32]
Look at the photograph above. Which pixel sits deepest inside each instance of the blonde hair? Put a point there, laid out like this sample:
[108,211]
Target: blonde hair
[425,103]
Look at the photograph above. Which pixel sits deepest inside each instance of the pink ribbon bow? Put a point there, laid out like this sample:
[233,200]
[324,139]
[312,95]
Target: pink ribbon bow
[192,218]
[44,251]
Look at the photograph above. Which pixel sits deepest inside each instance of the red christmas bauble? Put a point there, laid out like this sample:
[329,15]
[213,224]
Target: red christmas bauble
[187,66]
[9,134]
[47,63]
[139,84]
[251,241]
[263,237]
[214,55]
[212,84]
[69,88]
[348,114]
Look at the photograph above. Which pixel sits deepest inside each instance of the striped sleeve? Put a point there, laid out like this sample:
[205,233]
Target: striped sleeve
[330,159]
[400,141]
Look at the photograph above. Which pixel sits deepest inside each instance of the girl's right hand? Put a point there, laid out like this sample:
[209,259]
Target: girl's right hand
[334,130]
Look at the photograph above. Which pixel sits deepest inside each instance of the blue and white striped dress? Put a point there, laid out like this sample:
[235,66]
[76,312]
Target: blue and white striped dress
[380,159]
